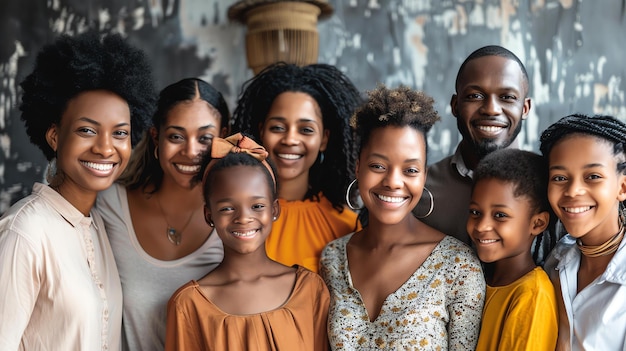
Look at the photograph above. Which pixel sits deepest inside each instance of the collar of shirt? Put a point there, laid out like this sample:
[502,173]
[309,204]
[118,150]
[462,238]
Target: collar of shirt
[615,272]
[457,162]
[70,213]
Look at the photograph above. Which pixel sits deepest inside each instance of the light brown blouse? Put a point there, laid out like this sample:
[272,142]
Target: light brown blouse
[195,323]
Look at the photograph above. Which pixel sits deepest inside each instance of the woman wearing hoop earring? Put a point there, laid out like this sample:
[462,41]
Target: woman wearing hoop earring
[398,283]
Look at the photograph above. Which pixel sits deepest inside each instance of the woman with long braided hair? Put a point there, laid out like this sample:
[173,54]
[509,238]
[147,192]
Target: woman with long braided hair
[301,115]
[586,189]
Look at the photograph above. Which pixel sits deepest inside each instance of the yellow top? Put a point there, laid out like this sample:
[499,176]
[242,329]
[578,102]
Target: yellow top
[521,315]
[304,228]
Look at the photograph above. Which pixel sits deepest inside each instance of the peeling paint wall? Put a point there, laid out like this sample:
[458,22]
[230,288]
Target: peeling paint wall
[572,49]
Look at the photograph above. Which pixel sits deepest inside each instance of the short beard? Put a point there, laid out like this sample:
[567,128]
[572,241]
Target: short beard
[487,146]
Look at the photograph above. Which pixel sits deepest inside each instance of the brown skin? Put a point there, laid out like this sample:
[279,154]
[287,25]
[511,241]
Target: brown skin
[246,281]
[394,245]
[503,227]
[94,129]
[182,138]
[491,92]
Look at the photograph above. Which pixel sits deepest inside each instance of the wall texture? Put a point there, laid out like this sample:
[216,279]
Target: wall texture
[573,50]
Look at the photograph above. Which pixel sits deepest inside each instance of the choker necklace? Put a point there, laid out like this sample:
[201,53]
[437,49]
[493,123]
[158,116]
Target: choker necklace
[609,246]
[173,235]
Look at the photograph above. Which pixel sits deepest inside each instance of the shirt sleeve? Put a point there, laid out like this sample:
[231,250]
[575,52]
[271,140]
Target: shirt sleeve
[321,316]
[20,281]
[531,323]
[180,333]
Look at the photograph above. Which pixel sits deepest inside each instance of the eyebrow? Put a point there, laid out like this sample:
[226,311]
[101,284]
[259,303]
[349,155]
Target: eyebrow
[92,121]
[504,88]
[283,119]
[409,160]
[590,165]
[229,199]
[179,128]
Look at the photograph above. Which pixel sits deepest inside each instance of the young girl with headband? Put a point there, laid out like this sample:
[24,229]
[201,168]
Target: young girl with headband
[586,189]
[249,302]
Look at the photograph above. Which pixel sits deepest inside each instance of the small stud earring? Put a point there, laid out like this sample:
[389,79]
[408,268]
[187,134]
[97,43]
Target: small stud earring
[274,218]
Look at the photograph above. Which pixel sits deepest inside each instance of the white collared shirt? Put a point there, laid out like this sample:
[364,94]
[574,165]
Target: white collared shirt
[597,314]
[59,286]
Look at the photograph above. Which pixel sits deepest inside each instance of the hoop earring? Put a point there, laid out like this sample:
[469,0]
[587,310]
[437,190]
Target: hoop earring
[432,204]
[156,152]
[350,205]
[322,157]
[51,171]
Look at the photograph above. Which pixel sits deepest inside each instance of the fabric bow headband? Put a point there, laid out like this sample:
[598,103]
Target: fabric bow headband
[237,143]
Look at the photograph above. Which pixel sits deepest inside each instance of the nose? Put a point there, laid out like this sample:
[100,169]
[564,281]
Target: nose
[194,149]
[491,106]
[290,137]
[104,145]
[393,179]
[243,216]
[574,188]
[479,224]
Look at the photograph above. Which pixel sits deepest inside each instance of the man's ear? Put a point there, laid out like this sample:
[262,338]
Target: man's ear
[526,107]
[453,99]
[52,137]
[539,223]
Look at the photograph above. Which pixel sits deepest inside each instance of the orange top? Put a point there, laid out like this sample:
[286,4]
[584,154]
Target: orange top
[304,228]
[195,323]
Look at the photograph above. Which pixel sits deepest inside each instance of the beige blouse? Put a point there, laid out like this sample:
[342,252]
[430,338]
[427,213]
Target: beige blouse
[59,286]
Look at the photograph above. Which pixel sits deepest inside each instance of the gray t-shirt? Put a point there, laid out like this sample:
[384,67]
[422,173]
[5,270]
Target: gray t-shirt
[148,283]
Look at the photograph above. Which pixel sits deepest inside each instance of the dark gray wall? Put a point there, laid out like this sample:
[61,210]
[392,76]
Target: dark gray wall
[574,52]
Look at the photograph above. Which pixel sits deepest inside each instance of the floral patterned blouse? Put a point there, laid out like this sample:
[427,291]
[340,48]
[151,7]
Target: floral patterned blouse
[438,308]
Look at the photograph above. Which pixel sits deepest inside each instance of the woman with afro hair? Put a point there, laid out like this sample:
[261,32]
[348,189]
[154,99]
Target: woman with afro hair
[301,116]
[59,285]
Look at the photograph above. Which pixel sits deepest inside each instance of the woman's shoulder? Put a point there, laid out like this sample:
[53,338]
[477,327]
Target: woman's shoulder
[336,246]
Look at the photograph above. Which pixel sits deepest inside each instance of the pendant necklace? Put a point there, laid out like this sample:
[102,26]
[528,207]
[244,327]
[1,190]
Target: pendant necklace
[173,235]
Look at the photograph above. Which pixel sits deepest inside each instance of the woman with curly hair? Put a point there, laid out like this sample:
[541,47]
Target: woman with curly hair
[153,215]
[301,116]
[59,283]
[399,284]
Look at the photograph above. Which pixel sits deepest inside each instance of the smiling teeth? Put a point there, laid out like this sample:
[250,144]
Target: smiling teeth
[393,199]
[577,209]
[487,241]
[186,168]
[490,129]
[289,156]
[99,166]
[245,234]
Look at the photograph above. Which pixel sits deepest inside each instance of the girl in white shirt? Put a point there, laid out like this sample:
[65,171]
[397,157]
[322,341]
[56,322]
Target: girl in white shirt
[586,189]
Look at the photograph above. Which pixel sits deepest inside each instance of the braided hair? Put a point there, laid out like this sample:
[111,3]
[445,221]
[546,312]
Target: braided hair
[337,98]
[528,173]
[607,128]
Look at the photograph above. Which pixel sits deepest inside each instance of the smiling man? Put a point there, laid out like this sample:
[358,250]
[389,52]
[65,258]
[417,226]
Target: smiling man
[489,105]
